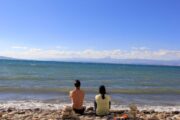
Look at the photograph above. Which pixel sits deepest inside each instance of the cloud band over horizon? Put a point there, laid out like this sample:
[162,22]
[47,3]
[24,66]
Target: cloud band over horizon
[56,54]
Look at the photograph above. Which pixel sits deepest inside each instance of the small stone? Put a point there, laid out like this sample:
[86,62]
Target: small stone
[90,109]
[175,112]
[176,117]
[1,114]
[161,116]
[21,112]
[37,109]
[146,112]
[10,109]
[152,111]
[154,118]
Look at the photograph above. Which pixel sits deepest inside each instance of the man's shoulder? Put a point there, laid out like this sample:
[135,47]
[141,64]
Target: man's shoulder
[77,91]
[72,91]
[82,90]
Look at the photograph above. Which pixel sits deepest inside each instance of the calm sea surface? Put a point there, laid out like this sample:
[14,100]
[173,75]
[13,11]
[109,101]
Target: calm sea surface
[51,81]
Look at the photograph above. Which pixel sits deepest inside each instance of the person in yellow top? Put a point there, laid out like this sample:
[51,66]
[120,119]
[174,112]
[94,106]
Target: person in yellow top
[102,102]
[77,98]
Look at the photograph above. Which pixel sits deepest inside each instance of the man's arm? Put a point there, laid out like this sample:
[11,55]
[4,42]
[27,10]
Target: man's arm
[83,95]
[70,94]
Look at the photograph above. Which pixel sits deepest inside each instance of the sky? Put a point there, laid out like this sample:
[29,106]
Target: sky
[90,29]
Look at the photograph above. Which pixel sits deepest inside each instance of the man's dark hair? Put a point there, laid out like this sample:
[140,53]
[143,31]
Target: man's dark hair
[77,83]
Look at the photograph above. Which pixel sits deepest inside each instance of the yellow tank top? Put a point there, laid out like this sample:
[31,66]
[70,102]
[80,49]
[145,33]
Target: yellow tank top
[102,104]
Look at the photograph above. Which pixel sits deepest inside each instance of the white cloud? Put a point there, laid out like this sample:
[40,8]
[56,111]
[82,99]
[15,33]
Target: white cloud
[19,47]
[61,47]
[140,48]
[138,53]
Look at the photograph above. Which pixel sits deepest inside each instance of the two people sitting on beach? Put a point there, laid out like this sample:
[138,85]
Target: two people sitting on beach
[102,101]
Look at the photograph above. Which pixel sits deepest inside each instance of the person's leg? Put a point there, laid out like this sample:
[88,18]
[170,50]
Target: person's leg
[83,110]
[80,111]
[76,111]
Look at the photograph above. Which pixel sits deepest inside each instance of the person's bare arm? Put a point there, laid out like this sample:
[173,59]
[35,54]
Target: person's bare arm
[83,95]
[109,104]
[70,94]
[95,105]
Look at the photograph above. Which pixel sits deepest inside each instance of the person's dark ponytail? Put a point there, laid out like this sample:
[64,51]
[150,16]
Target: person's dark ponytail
[102,91]
[103,96]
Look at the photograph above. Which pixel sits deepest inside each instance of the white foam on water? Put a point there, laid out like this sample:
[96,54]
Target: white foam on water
[54,106]
[31,105]
[148,108]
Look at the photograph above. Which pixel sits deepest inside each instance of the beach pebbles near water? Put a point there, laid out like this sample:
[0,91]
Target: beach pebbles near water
[68,114]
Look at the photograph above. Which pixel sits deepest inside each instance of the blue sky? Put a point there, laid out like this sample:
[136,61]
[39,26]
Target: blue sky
[90,27]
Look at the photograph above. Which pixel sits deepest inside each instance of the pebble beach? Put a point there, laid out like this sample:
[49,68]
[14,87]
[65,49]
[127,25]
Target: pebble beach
[45,114]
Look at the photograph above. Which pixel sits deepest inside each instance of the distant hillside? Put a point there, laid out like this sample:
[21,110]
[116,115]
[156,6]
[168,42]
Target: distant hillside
[150,62]
[127,61]
[6,58]
[110,60]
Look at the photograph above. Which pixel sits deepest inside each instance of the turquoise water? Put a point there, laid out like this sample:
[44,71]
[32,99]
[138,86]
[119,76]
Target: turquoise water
[125,83]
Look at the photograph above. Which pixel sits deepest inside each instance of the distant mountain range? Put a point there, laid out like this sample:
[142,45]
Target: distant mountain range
[145,61]
[115,61]
[6,58]
[130,61]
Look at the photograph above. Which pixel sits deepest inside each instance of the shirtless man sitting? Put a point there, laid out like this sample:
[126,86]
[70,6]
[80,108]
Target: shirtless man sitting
[77,98]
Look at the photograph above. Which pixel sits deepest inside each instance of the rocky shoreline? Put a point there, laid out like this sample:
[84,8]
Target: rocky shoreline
[43,114]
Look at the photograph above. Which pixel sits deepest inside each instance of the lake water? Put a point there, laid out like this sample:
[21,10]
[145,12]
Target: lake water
[50,82]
